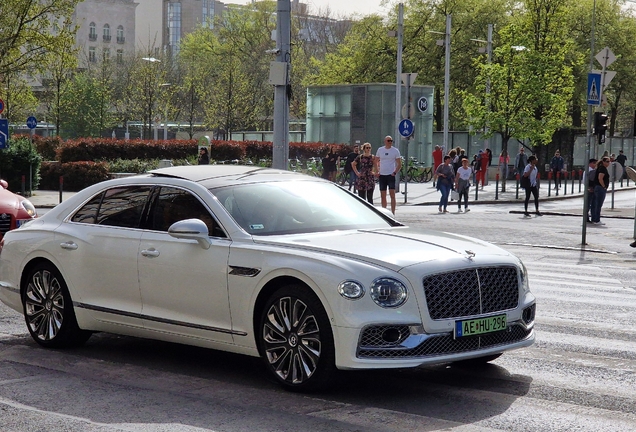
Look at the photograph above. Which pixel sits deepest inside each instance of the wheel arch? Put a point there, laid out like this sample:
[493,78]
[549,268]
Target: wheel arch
[26,270]
[269,288]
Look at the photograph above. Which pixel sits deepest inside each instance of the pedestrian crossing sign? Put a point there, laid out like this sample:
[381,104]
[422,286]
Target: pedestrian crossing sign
[593,89]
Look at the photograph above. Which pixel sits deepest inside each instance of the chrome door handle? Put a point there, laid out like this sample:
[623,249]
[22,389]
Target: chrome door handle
[150,253]
[68,245]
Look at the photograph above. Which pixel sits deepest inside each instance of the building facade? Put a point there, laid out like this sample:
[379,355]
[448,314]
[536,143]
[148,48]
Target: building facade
[106,30]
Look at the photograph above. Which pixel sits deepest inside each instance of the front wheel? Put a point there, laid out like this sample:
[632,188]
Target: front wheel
[296,341]
[48,309]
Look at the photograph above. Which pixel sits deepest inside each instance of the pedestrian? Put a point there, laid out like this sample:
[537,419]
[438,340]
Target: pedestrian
[351,174]
[529,183]
[364,168]
[388,164]
[462,184]
[483,168]
[489,155]
[601,182]
[504,160]
[330,164]
[438,157]
[474,164]
[204,156]
[588,181]
[556,166]
[521,161]
[445,182]
[622,159]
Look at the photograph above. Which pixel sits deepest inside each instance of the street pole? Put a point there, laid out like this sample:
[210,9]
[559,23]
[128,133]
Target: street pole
[398,76]
[489,57]
[406,147]
[280,151]
[589,137]
[447,79]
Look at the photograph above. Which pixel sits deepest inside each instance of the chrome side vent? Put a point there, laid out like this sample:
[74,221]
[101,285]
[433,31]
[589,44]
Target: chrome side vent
[244,271]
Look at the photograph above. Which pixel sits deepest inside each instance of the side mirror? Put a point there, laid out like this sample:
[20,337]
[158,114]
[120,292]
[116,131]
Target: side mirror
[191,229]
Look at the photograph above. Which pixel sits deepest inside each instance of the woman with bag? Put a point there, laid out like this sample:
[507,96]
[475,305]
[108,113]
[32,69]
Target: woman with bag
[364,168]
[445,181]
[462,185]
[529,183]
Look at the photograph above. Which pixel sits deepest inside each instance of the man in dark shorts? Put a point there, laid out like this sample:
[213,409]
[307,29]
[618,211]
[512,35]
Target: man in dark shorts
[388,163]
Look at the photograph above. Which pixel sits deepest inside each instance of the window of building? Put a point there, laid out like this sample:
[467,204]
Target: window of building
[92,32]
[120,35]
[174,26]
[207,13]
[106,54]
[120,56]
[106,33]
[91,55]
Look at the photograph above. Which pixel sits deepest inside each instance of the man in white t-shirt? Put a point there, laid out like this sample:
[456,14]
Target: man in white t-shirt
[388,163]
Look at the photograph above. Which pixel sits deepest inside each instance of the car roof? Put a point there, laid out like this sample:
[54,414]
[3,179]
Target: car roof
[222,175]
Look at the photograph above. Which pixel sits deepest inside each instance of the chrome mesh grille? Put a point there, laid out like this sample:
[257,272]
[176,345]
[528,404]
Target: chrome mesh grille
[5,222]
[372,336]
[463,293]
[443,345]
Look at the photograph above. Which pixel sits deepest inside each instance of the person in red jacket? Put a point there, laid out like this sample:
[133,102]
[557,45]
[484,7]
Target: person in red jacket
[483,161]
[437,161]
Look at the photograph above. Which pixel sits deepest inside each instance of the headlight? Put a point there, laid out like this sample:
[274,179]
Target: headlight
[350,289]
[525,285]
[29,207]
[388,292]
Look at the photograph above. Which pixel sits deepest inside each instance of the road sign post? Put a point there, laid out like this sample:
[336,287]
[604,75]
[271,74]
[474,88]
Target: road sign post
[4,133]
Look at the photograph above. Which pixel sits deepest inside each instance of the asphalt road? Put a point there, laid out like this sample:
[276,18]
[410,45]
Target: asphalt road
[580,375]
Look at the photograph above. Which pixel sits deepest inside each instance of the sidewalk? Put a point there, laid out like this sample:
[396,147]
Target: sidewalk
[424,194]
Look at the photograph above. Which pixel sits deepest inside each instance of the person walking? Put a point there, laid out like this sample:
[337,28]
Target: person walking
[462,184]
[364,168]
[588,181]
[521,161]
[445,181]
[388,164]
[482,157]
[529,183]
[601,182]
[622,159]
[351,175]
[504,160]
[438,157]
[556,166]
[489,156]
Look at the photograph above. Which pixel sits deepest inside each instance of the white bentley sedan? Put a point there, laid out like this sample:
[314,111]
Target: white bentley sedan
[267,263]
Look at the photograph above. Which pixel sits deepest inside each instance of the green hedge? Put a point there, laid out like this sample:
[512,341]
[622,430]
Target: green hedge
[77,175]
[20,158]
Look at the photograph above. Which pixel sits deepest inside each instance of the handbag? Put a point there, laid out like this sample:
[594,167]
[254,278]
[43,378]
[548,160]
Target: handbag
[454,195]
[525,182]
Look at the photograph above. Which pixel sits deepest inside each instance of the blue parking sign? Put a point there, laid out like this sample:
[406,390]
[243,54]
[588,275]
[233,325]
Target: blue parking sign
[4,133]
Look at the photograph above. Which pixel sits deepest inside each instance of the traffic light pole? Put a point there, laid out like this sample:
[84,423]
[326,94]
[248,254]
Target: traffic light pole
[590,113]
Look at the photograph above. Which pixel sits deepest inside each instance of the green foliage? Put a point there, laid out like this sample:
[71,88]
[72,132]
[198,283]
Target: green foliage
[31,30]
[136,166]
[76,175]
[84,107]
[18,160]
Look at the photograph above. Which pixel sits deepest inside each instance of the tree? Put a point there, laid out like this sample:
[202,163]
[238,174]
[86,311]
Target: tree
[84,106]
[24,43]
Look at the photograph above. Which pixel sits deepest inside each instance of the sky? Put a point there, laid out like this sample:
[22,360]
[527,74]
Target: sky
[337,7]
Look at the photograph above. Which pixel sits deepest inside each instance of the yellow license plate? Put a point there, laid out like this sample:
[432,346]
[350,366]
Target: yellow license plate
[479,326]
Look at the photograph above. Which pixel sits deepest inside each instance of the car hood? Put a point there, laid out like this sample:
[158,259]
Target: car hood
[9,202]
[395,248]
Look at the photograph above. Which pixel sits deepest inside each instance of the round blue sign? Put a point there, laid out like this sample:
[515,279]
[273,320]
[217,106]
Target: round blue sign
[32,122]
[1,105]
[406,128]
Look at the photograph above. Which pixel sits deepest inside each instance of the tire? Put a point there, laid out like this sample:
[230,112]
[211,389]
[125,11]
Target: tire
[295,340]
[48,309]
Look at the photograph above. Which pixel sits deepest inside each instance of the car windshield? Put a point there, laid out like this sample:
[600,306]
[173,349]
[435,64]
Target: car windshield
[296,207]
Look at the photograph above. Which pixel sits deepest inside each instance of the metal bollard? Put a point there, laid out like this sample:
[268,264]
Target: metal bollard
[518,178]
[573,174]
[557,183]
[476,192]
[61,187]
[497,187]
[549,183]
[580,179]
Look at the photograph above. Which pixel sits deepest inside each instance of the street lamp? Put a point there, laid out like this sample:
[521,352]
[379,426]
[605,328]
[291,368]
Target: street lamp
[446,43]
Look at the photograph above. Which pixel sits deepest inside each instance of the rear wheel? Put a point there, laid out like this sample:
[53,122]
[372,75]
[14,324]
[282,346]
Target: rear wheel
[295,339]
[48,309]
